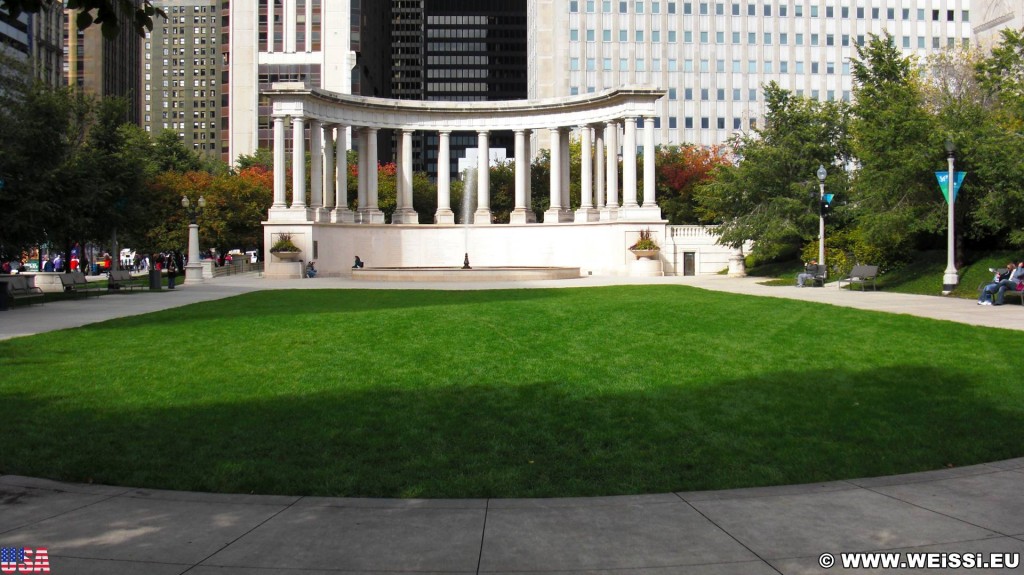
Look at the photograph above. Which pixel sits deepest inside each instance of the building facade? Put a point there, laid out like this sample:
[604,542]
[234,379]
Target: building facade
[270,41]
[714,57]
[181,74]
[36,39]
[103,67]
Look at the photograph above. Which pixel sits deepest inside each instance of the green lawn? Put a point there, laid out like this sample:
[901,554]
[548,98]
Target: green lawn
[557,392]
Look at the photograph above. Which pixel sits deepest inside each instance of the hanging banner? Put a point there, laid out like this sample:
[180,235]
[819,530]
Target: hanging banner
[943,178]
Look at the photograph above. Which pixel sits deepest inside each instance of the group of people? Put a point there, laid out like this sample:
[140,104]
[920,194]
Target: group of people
[1009,278]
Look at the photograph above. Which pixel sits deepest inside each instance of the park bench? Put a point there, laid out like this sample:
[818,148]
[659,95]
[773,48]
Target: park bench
[21,287]
[75,282]
[861,275]
[819,271]
[118,279]
[1007,292]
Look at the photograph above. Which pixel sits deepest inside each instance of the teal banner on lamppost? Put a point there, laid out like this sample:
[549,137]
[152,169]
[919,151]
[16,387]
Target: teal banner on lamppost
[943,178]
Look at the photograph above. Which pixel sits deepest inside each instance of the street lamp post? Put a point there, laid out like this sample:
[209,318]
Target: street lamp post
[950,277]
[821,214]
[193,269]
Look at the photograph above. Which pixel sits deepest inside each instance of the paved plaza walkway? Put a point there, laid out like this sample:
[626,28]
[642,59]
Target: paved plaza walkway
[976,512]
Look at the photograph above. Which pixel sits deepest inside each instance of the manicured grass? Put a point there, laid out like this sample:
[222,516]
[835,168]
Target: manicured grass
[559,392]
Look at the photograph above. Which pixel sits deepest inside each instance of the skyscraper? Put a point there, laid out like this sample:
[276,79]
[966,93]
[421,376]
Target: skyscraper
[456,50]
[36,40]
[713,57]
[279,41]
[181,74]
[103,67]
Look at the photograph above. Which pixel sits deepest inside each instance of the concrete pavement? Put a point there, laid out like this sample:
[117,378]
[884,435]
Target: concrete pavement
[94,529]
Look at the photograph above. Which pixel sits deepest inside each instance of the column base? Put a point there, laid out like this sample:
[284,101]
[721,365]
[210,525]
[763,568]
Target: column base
[405,216]
[369,216]
[194,273]
[552,216]
[322,215]
[290,215]
[444,216]
[531,216]
[737,266]
[520,216]
[609,214]
[584,215]
[637,213]
[342,216]
[482,217]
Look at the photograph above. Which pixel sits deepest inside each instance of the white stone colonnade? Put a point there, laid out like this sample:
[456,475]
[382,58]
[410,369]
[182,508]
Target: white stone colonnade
[606,122]
[330,116]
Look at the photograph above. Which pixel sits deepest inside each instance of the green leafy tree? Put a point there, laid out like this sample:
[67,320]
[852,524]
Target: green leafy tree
[679,170]
[769,193]
[898,145]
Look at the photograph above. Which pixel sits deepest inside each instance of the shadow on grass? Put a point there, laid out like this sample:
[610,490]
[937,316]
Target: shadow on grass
[537,439]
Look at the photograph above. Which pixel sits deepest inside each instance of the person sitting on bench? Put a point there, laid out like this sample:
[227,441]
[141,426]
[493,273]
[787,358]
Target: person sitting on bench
[358,264]
[311,269]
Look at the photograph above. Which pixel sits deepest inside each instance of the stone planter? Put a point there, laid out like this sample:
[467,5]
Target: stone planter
[645,253]
[288,256]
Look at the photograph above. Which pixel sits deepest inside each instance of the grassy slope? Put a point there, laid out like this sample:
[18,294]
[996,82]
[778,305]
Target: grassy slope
[507,393]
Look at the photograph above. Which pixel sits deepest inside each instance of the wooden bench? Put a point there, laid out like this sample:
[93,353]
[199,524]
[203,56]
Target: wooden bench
[76,282]
[861,275]
[21,287]
[118,279]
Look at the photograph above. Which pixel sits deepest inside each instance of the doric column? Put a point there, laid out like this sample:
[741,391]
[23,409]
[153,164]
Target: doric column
[531,216]
[629,165]
[649,159]
[330,193]
[518,215]
[611,135]
[444,214]
[555,202]
[483,180]
[399,180]
[599,159]
[586,211]
[280,167]
[361,155]
[404,212]
[342,212]
[565,171]
[316,164]
[373,211]
[298,163]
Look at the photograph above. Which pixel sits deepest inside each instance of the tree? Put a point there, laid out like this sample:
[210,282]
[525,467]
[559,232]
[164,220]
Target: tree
[679,170]
[111,15]
[768,193]
[898,145]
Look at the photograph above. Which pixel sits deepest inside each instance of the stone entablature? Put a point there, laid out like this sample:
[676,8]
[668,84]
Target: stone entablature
[296,99]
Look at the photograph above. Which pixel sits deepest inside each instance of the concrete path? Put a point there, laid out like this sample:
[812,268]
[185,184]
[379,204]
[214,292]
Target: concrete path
[974,512]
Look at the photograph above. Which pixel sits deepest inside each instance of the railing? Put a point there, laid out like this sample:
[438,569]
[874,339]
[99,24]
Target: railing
[692,231]
[237,267]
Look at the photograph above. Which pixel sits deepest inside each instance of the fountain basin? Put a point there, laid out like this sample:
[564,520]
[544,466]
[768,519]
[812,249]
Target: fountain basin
[457,274]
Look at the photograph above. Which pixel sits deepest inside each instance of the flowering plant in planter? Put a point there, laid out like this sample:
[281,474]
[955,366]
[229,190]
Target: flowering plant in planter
[284,244]
[645,243]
